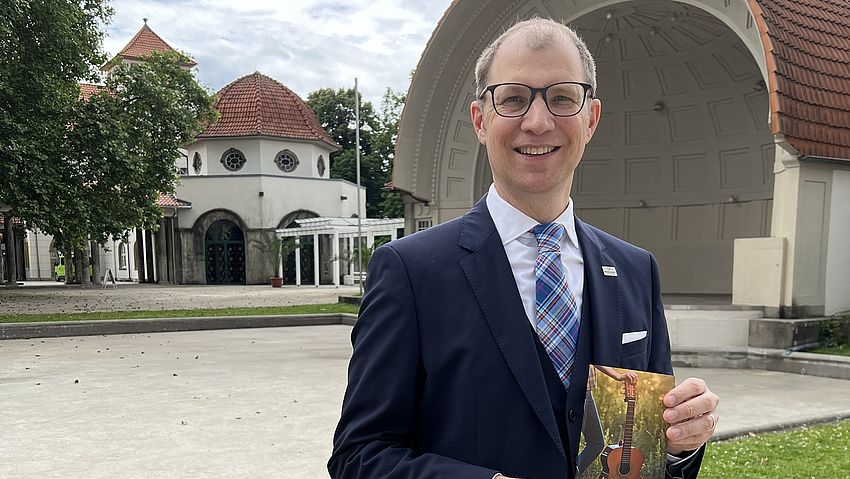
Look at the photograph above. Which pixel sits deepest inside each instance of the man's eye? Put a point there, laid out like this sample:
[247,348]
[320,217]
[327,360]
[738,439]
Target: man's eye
[513,99]
[562,99]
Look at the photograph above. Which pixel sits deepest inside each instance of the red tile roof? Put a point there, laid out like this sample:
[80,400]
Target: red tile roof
[807,47]
[168,200]
[87,90]
[144,43]
[258,105]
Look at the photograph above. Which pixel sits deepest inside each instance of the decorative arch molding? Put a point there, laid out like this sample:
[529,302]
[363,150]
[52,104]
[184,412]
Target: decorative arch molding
[439,157]
[296,215]
[203,223]
[684,155]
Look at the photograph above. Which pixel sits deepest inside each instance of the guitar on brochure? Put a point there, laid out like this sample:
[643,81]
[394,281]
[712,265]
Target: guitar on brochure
[624,461]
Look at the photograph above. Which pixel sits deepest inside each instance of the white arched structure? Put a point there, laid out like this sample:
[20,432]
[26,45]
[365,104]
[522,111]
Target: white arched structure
[687,159]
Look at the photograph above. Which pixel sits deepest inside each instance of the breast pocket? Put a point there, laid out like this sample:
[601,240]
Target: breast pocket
[634,349]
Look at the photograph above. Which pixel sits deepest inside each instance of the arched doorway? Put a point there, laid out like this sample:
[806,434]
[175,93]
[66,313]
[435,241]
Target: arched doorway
[224,245]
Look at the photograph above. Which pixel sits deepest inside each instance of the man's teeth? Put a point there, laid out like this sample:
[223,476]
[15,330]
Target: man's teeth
[540,150]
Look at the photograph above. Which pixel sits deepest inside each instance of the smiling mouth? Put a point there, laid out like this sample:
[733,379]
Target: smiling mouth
[536,151]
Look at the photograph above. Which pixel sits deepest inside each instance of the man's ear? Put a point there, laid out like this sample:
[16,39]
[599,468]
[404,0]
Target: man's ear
[593,118]
[478,121]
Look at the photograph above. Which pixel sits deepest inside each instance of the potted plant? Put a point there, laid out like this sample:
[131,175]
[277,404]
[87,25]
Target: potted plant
[275,249]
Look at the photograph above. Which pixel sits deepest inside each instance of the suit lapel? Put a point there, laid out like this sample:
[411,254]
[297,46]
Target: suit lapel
[489,274]
[605,297]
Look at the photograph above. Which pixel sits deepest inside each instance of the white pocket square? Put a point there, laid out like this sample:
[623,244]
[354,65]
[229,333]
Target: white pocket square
[634,336]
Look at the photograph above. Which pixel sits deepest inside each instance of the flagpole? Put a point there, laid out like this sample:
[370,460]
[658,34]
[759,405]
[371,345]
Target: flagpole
[359,232]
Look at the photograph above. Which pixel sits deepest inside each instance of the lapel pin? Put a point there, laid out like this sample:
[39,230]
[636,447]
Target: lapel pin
[609,271]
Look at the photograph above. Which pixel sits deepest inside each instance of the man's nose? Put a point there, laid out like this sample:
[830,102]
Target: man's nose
[538,119]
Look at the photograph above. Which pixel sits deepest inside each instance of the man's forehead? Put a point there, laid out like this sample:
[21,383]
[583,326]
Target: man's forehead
[516,48]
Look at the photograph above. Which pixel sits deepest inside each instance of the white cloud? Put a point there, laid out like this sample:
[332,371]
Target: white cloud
[306,45]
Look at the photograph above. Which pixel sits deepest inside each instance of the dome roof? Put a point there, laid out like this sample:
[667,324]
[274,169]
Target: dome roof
[258,105]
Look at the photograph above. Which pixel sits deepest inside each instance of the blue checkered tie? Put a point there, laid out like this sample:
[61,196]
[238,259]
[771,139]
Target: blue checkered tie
[557,318]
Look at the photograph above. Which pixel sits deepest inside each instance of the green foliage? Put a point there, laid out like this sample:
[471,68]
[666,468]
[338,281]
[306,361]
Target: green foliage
[275,249]
[120,150]
[828,333]
[183,313]
[47,46]
[842,350]
[808,452]
[378,135]
[363,252]
[87,169]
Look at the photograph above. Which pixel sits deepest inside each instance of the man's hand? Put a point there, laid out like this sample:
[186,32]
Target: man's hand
[692,414]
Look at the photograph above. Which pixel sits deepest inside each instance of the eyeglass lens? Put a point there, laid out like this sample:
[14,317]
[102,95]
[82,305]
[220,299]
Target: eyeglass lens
[563,99]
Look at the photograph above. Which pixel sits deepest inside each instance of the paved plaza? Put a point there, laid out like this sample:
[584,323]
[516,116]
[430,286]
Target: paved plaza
[250,403]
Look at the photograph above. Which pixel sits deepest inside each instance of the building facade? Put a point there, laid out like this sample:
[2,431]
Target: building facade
[261,167]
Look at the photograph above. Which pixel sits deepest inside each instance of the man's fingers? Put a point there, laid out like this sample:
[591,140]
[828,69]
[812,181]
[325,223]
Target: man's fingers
[689,388]
[689,406]
[693,433]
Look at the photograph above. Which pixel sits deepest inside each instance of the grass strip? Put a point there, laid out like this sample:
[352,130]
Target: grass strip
[809,452]
[182,313]
[842,350]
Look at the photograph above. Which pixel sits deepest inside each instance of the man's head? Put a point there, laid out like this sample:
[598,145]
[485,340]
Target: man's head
[535,128]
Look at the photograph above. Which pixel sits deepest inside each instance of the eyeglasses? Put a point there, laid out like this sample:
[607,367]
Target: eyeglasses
[513,100]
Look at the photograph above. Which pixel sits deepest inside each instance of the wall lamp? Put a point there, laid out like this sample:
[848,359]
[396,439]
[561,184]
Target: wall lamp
[343,198]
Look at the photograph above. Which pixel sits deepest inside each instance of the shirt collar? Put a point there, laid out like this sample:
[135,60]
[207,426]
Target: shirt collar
[512,223]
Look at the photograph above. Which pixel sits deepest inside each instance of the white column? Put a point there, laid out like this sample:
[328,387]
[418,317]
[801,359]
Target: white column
[335,252]
[298,263]
[316,259]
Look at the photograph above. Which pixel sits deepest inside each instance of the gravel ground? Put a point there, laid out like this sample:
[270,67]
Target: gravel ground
[52,298]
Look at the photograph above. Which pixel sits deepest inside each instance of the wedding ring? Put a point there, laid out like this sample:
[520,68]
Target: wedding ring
[713,421]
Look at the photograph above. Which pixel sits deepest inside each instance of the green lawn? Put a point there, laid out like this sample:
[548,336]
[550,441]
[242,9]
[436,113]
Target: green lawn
[842,350]
[816,452]
[183,313]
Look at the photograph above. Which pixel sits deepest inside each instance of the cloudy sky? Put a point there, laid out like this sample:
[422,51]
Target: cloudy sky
[304,44]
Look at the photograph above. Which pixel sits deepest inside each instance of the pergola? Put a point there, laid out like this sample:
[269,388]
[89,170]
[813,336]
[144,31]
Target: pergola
[339,229]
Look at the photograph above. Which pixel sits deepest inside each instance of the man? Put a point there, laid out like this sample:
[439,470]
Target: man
[459,369]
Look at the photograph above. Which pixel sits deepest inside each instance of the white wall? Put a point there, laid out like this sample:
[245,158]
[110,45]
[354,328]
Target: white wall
[281,196]
[838,253]
[260,154]
[41,261]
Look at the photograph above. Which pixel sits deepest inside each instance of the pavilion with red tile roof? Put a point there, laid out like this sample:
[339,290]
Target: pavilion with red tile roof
[145,42]
[262,166]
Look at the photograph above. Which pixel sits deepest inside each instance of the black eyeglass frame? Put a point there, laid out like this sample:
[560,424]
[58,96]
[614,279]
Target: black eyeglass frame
[491,88]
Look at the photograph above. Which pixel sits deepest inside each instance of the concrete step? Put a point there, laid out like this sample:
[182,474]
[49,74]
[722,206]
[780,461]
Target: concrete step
[710,328]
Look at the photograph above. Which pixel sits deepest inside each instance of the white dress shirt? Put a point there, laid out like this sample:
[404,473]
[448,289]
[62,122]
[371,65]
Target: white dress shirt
[514,228]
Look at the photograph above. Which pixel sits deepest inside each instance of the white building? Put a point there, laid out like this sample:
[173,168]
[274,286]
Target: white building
[263,165]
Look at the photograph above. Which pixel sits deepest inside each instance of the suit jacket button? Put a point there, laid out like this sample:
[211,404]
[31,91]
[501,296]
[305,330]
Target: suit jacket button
[572,415]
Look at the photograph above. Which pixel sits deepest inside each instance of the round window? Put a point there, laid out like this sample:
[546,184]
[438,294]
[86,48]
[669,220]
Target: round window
[286,161]
[233,160]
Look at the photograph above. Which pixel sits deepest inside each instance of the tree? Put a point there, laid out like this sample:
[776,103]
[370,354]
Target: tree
[275,249]
[122,146]
[47,45]
[335,111]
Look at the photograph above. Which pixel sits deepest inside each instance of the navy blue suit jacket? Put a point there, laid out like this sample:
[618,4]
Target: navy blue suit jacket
[445,380]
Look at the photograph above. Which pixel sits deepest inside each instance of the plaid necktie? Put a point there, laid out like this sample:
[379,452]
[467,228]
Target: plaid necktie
[557,318]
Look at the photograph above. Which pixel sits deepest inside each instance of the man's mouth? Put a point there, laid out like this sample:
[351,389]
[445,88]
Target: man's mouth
[536,150]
